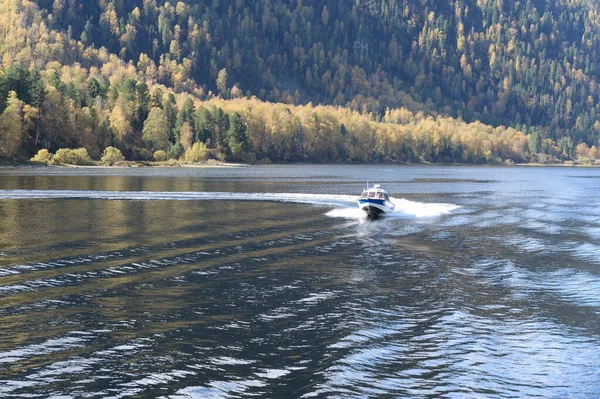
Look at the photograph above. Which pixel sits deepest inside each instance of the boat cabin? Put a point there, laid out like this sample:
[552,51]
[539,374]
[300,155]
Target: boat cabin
[375,193]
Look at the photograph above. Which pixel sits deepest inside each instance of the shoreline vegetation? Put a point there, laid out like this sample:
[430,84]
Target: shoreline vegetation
[251,131]
[221,164]
[141,123]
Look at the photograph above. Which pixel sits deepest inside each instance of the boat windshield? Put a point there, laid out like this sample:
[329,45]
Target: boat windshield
[376,194]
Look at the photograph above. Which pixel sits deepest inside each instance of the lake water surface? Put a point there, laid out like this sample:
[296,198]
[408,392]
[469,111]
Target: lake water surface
[268,281]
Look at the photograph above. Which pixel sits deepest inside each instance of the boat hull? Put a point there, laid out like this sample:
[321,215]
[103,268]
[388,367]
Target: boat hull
[374,207]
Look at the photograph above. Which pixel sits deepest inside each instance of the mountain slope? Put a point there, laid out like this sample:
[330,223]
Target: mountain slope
[91,73]
[520,63]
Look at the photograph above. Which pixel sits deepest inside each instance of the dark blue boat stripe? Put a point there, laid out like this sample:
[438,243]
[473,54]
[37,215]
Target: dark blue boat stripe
[373,201]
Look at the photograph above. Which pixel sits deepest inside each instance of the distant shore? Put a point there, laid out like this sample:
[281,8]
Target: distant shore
[219,164]
[133,164]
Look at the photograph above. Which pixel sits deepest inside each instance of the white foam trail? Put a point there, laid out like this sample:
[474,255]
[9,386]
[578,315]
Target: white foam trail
[345,204]
[404,209]
[421,209]
[318,199]
[347,213]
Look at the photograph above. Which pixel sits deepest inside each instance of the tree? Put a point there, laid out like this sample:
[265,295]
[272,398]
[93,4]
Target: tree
[186,136]
[221,126]
[185,115]
[222,82]
[28,85]
[155,133]
[171,113]
[11,127]
[236,92]
[143,104]
[43,156]
[566,147]
[237,139]
[176,151]
[535,142]
[582,151]
[205,126]
[197,153]
[343,133]
[67,156]
[111,155]
[93,90]
[593,153]
[160,156]
[121,126]
[129,90]
[156,99]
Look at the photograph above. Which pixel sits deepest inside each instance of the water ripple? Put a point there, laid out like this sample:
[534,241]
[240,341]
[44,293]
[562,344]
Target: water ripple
[155,291]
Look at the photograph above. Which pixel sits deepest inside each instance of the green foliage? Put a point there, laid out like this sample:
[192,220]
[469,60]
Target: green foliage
[155,133]
[67,156]
[185,115]
[168,106]
[27,85]
[566,147]
[142,102]
[176,151]
[237,139]
[94,90]
[535,142]
[160,156]
[111,156]
[197,153]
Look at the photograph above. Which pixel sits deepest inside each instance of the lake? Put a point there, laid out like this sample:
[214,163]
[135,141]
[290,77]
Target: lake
[267,281]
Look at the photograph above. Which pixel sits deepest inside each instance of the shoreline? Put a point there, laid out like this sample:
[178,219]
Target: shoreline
[219,164]
[132,164]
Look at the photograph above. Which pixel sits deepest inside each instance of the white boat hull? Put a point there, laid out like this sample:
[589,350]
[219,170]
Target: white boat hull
[374,208]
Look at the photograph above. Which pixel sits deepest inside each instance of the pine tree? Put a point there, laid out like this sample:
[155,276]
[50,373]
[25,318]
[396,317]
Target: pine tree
[170,109]
[185,115]
[205,127]
[237,134]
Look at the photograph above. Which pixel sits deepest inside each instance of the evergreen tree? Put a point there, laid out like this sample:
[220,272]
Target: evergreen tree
[185,115]
[221,126]
[205,127]
[237,137]
[93,90]
[535,142]
[171,113]
[143,105]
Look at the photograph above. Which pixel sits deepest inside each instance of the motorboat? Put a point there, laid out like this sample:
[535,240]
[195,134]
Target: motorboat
[375,201]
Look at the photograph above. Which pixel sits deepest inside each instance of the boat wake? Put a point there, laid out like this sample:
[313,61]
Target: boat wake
[345,205]
[316,199]
[404,209]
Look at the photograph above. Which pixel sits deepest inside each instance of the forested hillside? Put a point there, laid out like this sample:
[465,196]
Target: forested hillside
[405,80]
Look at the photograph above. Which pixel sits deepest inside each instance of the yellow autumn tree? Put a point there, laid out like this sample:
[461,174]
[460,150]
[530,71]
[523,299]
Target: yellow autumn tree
[11,127]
